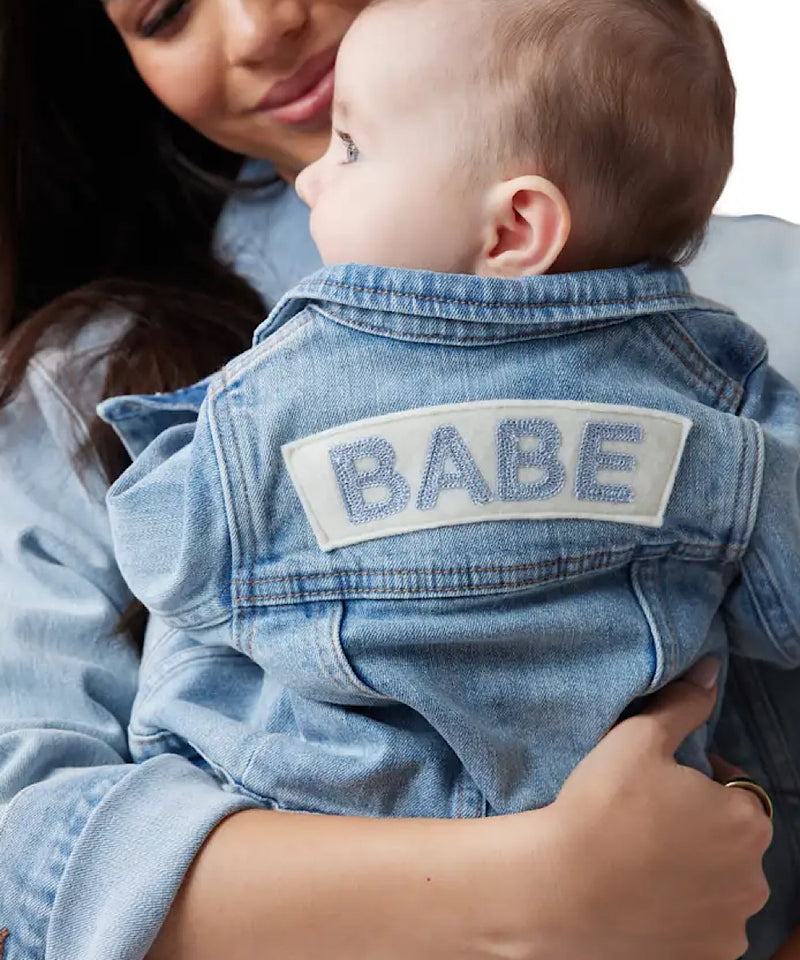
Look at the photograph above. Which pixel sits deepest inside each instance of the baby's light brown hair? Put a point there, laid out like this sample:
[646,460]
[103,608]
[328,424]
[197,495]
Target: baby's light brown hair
[627,106]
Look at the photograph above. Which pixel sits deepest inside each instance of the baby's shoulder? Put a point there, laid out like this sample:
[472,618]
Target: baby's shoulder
[723,339]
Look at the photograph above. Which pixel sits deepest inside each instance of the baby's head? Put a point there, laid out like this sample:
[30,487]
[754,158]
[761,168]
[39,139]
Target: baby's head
[518,137]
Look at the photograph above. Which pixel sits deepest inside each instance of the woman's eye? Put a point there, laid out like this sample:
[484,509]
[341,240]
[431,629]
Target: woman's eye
[164,18]
[352,152]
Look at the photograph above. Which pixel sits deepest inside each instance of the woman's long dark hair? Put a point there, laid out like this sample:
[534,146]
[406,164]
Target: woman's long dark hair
[98,209]
[99,213]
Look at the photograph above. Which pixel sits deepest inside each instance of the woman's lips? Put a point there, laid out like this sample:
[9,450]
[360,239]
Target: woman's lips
[307,96]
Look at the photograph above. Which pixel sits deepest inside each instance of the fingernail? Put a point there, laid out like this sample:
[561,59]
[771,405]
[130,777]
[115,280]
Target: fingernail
[704,673]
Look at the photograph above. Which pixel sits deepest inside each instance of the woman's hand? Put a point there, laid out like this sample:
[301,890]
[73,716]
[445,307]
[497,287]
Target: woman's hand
[648,859]
[638,858]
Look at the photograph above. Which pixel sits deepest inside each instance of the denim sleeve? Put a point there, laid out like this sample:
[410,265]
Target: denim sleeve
[170,530]
[763,608]
[92,847]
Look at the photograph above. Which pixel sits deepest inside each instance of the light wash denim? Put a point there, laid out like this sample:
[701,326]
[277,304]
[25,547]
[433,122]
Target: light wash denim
[463,669]
[95,845]
[753,265]
[425,658]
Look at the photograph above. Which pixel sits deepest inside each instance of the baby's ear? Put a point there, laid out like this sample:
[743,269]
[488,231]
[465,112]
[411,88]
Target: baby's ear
[527,226]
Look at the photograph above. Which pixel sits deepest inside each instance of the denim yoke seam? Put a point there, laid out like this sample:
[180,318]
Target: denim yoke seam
[610,560]
[703,551]
[253,357]
[728,396]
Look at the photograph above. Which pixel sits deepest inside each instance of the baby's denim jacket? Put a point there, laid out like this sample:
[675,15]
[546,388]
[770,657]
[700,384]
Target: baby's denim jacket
[461,525]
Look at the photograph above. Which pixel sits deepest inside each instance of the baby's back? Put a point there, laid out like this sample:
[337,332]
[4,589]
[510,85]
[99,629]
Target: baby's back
[478,533]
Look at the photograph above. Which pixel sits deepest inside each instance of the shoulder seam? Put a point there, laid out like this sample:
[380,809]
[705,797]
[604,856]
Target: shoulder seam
[723,390]
[271,344]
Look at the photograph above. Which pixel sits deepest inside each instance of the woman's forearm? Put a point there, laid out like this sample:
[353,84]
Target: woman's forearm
[637,858]
[276,885]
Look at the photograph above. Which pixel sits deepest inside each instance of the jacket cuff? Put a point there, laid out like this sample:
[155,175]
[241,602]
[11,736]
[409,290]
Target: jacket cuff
[90,861]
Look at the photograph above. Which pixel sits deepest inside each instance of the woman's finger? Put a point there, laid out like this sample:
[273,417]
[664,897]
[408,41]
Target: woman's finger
[683,705]
[724,772]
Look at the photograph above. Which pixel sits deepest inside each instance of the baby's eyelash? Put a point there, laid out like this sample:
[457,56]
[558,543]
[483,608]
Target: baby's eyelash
[353,153]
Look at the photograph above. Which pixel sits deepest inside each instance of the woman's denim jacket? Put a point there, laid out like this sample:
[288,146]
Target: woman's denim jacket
[461,524]
[94,846]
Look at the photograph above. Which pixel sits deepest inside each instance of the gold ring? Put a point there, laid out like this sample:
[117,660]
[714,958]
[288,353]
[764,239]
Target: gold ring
[745,783]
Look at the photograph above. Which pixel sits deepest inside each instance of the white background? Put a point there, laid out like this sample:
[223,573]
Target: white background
[763,40]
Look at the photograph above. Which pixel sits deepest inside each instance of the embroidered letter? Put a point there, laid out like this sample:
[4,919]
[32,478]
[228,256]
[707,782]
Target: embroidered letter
[447,444]
[593,458]
[353,482]
[511,458]
[432,467]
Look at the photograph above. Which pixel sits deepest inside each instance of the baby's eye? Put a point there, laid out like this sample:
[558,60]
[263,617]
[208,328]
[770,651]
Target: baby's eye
[353,154]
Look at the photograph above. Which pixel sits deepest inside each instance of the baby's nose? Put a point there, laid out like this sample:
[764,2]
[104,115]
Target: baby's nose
[306,184]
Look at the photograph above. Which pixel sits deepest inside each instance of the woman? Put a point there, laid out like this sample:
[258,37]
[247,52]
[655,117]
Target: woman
[108,286]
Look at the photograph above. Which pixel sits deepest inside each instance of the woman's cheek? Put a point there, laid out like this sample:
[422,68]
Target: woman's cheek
[187,85]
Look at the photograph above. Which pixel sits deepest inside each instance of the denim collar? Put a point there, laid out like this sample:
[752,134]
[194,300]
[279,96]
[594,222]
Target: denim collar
[448,309]
[459,310]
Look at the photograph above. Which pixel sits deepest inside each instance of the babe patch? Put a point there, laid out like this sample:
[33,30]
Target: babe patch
[492,460]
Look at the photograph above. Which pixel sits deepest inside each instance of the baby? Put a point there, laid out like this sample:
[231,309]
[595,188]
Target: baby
[457,510]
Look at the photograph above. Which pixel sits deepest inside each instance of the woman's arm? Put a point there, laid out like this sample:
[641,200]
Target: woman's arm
[92,846]
[637,858]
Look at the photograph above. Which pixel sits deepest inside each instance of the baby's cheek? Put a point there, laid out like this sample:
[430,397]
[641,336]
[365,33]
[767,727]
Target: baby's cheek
[334,232]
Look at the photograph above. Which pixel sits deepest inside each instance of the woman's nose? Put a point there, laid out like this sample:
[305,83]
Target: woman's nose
[256,29]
